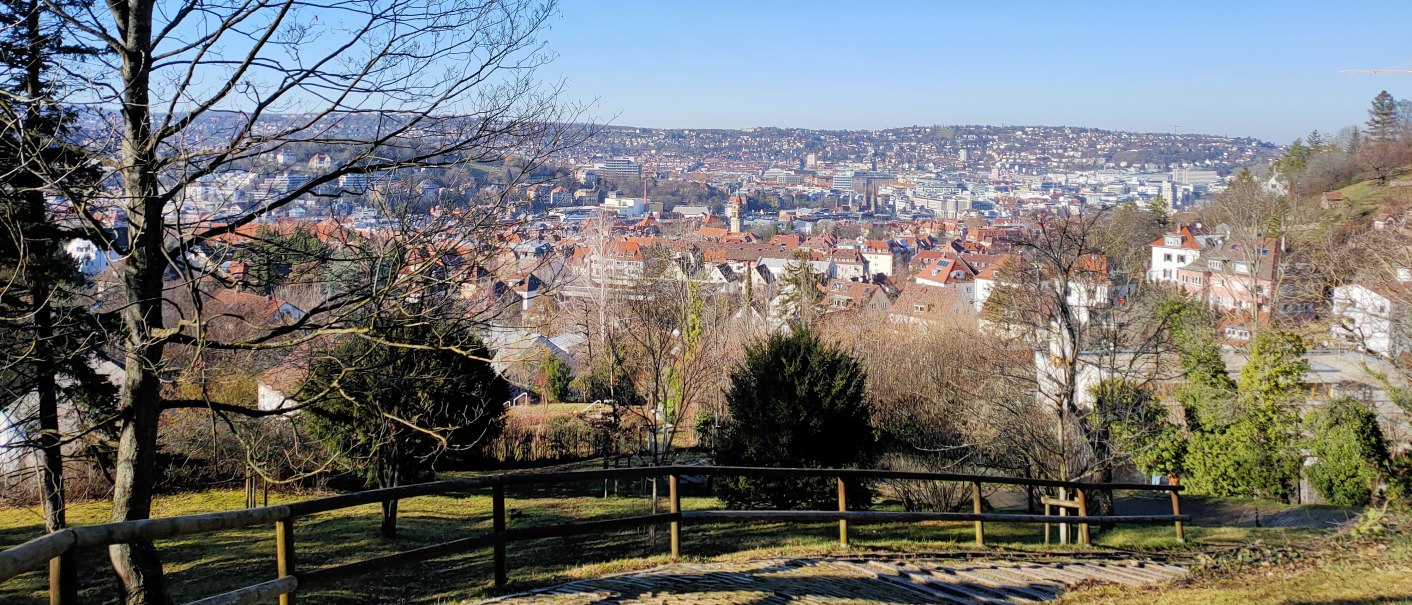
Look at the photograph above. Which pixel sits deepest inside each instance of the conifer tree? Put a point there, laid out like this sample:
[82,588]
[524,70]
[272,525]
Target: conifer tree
[795,401]
[47,334]
[1382,118]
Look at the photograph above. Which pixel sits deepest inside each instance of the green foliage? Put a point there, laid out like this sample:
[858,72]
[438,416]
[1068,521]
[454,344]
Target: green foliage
[795,401]
[1242,435]
[273,258]
[1382,118]
[1351,452]
[1296,159]
[558,377]
[1160,209]
[1140,427]
[1189,326]
[1275,373]
[606,379]
[390,412]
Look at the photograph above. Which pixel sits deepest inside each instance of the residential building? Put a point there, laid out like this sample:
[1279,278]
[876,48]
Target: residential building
[1376,316]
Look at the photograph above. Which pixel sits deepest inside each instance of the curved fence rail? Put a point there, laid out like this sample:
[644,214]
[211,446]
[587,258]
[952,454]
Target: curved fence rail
[59,549]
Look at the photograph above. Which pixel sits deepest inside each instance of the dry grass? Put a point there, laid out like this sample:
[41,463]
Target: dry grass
[201,566]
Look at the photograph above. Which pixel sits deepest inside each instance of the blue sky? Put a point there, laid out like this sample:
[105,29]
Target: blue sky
[1263,69]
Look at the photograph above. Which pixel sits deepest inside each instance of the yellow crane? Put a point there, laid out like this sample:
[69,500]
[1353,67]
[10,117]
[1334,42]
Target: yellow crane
[1375,71]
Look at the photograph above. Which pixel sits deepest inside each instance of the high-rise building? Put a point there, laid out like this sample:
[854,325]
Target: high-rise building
[622,167]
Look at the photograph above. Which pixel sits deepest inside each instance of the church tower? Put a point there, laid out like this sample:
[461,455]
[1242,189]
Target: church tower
[733,209]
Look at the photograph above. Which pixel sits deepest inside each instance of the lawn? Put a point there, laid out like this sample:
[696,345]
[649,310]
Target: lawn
[203,565]
[1341,574]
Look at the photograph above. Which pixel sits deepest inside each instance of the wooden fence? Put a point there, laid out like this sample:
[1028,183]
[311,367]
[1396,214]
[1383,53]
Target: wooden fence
[59,549]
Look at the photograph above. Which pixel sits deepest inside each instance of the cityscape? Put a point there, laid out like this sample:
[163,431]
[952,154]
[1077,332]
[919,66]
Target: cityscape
[267,266]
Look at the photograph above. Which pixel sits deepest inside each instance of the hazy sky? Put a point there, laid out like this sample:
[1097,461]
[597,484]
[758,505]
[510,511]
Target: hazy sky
[1263,69]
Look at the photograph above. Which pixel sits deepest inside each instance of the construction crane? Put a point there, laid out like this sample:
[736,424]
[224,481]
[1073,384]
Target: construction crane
[1375,71]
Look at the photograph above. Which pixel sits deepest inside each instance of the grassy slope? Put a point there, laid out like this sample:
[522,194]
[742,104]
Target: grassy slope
[205,565]
[1367,198]
[1342,574]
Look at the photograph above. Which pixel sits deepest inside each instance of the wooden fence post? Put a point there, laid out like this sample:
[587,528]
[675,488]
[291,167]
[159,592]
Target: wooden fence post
[1177,510]
[976,507]
[63,579]
[843,508]
[284,554]
[498,531]
[1083,512]
[675,496]
[1047,509]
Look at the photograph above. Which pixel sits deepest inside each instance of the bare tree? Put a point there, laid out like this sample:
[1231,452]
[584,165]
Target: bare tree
[203,90]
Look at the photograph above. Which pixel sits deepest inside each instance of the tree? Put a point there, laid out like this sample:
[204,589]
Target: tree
[390,412]
[558,376]
[201,90]
[799,292]
[1250,446]
[1160,209]
[1350,452]
[1382,119]
[1296,158]
[794,401]
[49,335]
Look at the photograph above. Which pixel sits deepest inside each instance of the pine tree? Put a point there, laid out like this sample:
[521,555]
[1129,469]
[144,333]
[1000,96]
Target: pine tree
[1382,118]
[794,401]
[389,412]
[1160,209]
[48,334]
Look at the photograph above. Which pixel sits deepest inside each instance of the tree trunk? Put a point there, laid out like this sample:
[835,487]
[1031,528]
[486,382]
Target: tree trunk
[41,253]
[138,565]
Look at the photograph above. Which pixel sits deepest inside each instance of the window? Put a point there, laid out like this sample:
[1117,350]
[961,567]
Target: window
[1181,258]
[1173,240]
[1167,258]
[1242,268]
[1215,264]
[919,307]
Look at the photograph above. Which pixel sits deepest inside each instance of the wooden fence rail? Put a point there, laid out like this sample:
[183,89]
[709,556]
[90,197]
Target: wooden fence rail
[58,549]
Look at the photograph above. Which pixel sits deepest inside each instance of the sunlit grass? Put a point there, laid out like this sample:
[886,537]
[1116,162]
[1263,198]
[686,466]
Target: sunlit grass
[204,565]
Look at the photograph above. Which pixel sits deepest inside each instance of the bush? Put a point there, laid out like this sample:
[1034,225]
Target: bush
[795,402]
[1351,453]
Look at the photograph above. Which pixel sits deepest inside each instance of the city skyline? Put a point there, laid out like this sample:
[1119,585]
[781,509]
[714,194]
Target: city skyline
[1255,70]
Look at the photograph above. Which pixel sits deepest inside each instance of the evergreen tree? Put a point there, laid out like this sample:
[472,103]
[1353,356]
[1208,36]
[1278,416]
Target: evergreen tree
[795,401]
[799,290]
[390,412]
[1351,454]
[1315,141]
[1160,209]
[1355,142]
[1296,159]
[49,335]
[1382,119]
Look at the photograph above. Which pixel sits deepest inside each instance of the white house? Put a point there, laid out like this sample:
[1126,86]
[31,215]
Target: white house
[1376,317]
[1176,249]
